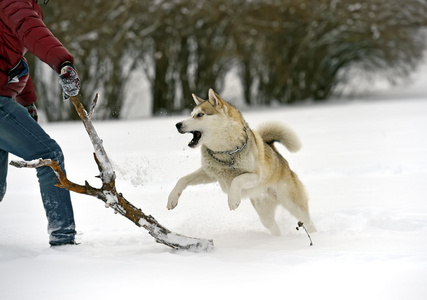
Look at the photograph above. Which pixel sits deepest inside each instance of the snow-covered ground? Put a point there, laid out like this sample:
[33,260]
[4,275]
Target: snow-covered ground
[364,164]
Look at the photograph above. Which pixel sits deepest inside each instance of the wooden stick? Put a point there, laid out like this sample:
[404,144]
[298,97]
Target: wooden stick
[109,195]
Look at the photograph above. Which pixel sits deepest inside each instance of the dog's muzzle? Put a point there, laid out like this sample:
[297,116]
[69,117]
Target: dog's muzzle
[196,135]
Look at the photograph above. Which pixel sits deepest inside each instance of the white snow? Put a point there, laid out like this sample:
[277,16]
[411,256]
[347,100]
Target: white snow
[364,164]
[111,198]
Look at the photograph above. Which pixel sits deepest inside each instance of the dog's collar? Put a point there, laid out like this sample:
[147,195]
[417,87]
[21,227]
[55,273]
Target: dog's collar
[229,152]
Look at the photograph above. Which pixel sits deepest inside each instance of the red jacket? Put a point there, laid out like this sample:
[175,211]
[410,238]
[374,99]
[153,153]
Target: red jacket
[21,30]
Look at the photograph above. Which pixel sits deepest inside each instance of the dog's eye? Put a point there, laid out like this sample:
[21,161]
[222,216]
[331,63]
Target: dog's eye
[199,115]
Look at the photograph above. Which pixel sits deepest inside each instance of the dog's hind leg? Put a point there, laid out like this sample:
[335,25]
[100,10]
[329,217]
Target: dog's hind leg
[296,203]
[302,214]
[266,209]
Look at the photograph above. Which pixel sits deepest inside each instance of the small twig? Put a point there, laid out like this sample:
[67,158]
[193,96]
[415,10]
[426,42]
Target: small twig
[301,224]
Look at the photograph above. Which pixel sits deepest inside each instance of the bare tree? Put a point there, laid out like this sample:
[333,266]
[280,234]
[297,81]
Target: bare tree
[285,50]
[100,36]
[189,51]
[307,46]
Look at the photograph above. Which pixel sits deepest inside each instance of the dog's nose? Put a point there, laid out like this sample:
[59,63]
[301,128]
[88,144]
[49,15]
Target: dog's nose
[178,126]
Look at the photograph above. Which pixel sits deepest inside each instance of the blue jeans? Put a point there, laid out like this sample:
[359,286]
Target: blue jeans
[23,137]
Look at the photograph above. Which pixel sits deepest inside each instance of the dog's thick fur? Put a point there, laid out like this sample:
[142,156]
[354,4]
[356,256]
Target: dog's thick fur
[243,161]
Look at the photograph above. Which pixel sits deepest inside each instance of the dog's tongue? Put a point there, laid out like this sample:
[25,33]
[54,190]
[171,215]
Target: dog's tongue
[192,144]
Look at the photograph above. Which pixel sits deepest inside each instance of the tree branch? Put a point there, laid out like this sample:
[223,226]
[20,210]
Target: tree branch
[109,195]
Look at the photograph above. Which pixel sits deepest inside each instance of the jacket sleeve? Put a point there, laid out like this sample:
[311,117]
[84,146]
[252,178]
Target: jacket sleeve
[21,17]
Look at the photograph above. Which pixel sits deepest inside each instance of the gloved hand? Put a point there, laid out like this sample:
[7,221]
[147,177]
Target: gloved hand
[69,80]
[32,110]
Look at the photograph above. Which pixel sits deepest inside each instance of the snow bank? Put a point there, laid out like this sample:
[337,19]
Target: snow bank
[365,168]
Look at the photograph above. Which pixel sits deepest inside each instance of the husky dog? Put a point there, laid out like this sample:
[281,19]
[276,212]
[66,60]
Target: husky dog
[243,161]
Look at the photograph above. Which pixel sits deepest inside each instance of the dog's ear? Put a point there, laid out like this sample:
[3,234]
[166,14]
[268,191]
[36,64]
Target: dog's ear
[197,99]
[215,100]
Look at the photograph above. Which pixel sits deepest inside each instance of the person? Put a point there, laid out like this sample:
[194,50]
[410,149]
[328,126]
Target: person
[22,29]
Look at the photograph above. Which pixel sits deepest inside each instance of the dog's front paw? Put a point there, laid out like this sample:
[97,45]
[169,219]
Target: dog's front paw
[233,203]
[172,201]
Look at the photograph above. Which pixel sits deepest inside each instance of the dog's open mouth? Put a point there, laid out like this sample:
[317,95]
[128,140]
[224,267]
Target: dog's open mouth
[196,137]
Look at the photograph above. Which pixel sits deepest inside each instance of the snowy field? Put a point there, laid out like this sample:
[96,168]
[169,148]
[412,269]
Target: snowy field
[364,164]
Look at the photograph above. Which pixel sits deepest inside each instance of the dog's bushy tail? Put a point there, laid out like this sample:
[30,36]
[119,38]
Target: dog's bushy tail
[278,132]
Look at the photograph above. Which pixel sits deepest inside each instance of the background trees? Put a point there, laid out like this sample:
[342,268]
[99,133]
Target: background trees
[284,51]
